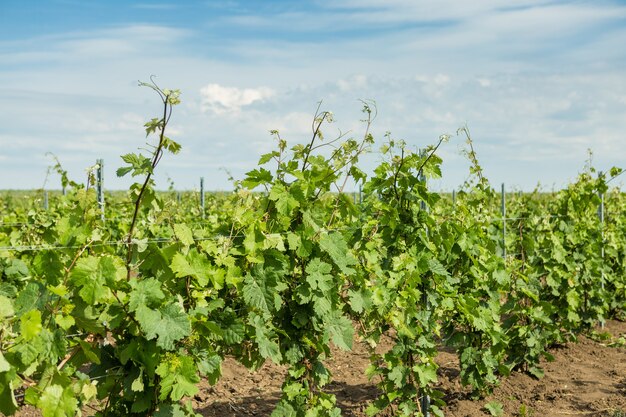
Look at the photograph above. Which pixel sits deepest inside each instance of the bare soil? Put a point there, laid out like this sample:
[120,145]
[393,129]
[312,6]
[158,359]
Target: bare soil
[587,378]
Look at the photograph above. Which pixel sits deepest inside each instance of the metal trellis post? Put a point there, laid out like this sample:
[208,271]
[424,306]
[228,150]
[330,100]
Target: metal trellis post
[100,185]
[202,195]
[503,210]
[424,399]
[601,218]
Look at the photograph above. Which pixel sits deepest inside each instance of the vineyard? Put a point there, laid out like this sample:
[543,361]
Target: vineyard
[125,311]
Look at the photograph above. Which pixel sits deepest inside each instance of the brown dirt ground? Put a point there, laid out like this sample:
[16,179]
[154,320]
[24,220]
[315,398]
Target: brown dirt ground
[587,379]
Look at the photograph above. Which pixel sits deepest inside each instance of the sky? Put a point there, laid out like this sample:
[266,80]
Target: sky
[538,83]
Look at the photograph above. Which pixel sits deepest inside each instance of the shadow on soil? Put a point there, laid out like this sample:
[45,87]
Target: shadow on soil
[352,399]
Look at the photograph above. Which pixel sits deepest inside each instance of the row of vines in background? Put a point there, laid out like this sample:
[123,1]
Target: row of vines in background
[125,315]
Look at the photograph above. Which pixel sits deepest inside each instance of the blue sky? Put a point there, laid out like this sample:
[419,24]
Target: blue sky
[538,82]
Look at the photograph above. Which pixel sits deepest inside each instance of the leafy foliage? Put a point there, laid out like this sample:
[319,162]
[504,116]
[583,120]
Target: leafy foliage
[128,314]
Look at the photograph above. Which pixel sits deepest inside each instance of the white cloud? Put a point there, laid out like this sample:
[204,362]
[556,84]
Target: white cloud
[441,79]
[220,99]
[433,86]
[289,124]
[356,81]
[84,47]
[396,11]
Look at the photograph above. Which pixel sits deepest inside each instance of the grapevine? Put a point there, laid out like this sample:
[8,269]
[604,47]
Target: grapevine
[126,314]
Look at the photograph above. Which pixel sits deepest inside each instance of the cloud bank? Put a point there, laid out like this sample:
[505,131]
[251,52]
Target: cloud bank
[538,83]
[220,99]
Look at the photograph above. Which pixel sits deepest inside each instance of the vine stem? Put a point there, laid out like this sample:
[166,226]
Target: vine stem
[155,160]
[395,176]
[432,152]
[352,161]
[316,130]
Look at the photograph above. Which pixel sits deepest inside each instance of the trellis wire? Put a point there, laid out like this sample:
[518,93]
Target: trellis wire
[29,248]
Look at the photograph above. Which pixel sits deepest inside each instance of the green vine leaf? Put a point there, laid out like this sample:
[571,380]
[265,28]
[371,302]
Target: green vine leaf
[30,324]
[178,378]
[341,330]
[8,403]
[260,290]
[184,234]
[168,324]
[494,408]
[95,276]
[58,402]
[268,348]
[337,248]
[145,293]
